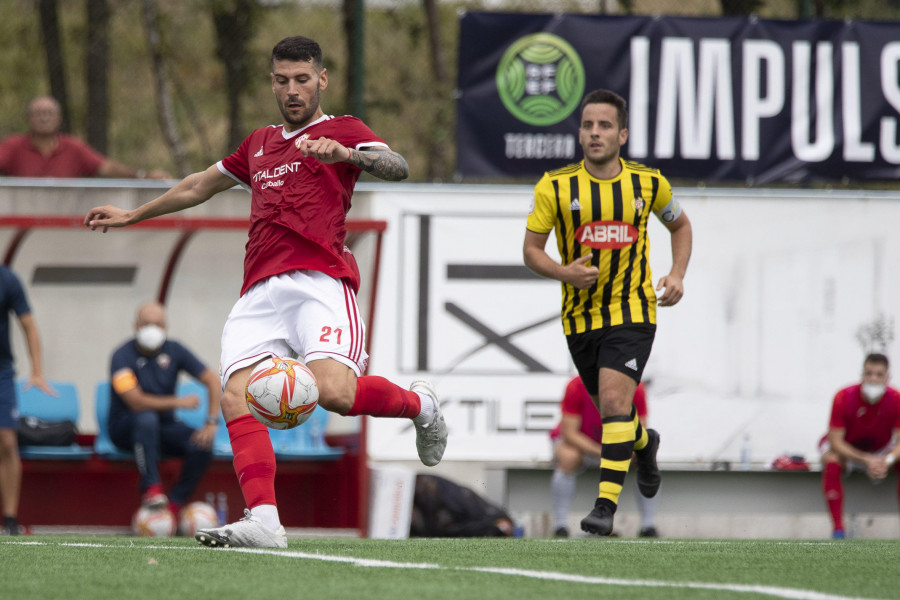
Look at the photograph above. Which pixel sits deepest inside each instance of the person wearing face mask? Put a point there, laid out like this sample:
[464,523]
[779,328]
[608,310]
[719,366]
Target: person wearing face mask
[862,435]
[144,373]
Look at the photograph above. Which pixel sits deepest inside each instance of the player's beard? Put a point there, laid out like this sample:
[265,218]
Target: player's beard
[599,160]
[308,112]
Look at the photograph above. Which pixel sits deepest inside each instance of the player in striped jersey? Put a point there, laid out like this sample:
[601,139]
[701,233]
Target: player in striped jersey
[600,208]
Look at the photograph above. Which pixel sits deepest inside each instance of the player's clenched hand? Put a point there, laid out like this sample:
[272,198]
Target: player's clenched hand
[106,217]
[189,402]
[674,287]
[325,150]
[876,467]
[581,274]
[203,437]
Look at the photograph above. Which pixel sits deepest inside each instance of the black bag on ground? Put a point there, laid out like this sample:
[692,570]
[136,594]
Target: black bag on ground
[442,508]
[37,432]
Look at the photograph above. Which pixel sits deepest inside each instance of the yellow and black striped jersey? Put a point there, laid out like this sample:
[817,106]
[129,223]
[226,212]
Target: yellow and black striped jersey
[608,219]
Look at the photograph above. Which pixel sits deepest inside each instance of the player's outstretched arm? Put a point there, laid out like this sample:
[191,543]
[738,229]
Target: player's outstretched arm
[381,162]
[190,191]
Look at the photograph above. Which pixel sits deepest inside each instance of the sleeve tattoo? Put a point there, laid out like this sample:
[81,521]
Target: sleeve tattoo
[380,162]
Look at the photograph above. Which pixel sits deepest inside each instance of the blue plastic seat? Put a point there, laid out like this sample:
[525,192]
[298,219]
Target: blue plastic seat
[33,402]
[194,417]
[103,445]
[305,442]
[222,442]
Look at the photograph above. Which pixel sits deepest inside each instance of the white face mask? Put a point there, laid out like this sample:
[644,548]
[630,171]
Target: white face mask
[872,392]
[150,337]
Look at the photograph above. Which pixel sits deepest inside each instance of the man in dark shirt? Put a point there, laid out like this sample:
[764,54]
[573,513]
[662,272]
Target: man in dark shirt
[144,374]
[13,299]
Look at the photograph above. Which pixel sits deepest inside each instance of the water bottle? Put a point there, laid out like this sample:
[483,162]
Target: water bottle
[222,507]
[745,453]
[211,499]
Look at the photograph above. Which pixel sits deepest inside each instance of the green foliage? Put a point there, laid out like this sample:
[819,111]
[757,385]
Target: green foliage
[406,104]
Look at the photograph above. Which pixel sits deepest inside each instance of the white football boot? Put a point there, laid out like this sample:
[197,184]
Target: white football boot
[249,532]
[431,439]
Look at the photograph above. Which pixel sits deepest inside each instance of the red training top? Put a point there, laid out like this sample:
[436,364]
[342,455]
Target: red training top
[578,402]
[868,427]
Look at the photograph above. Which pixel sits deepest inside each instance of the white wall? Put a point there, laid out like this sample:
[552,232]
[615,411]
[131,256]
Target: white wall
[778,285]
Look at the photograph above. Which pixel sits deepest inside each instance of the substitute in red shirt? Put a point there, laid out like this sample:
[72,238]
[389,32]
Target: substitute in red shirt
[862,434]
[577,403]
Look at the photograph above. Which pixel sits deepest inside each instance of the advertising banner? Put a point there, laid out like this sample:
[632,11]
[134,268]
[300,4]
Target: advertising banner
[740,99]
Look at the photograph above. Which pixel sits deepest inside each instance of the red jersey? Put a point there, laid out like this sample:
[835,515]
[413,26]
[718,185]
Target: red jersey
[70,158]
[577,402]
[868,427]
[298,205]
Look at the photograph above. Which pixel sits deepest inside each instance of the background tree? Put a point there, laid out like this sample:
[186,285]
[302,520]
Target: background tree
[164,106]
[235,22]
[97,73]
[56,71]
[739,8]
[354,36]
[438,158]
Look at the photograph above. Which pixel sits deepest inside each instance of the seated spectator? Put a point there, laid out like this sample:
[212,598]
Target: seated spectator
[45,152]
[142,410]
[576,446]
[862,435]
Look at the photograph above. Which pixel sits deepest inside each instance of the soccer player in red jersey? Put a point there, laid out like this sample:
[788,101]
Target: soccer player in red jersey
[299,292]
[862,435]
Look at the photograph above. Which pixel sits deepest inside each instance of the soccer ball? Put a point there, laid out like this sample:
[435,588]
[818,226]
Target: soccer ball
[196,515]
[282,393]
[153,522]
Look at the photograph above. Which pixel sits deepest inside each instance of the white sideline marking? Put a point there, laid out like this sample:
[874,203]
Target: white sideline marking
[778,592]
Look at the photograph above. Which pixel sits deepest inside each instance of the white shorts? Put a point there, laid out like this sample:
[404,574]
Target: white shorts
[300,314]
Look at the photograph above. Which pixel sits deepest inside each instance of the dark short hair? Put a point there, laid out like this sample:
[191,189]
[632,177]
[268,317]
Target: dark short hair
[608,97]
[877,358]
[299,49]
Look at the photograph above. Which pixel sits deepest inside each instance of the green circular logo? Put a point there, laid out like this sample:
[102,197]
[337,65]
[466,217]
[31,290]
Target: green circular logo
[540,79]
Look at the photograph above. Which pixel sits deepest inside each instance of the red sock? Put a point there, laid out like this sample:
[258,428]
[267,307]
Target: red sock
[153,489]
[378,397]
[254,460]
[834,493]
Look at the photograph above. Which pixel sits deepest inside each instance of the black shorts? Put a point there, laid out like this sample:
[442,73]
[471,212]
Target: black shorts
[623,348]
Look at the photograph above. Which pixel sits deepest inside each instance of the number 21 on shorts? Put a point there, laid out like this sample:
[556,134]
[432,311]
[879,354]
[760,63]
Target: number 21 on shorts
[330,335]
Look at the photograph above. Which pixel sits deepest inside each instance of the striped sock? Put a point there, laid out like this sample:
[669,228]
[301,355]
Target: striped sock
[640,435]
[617,445]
